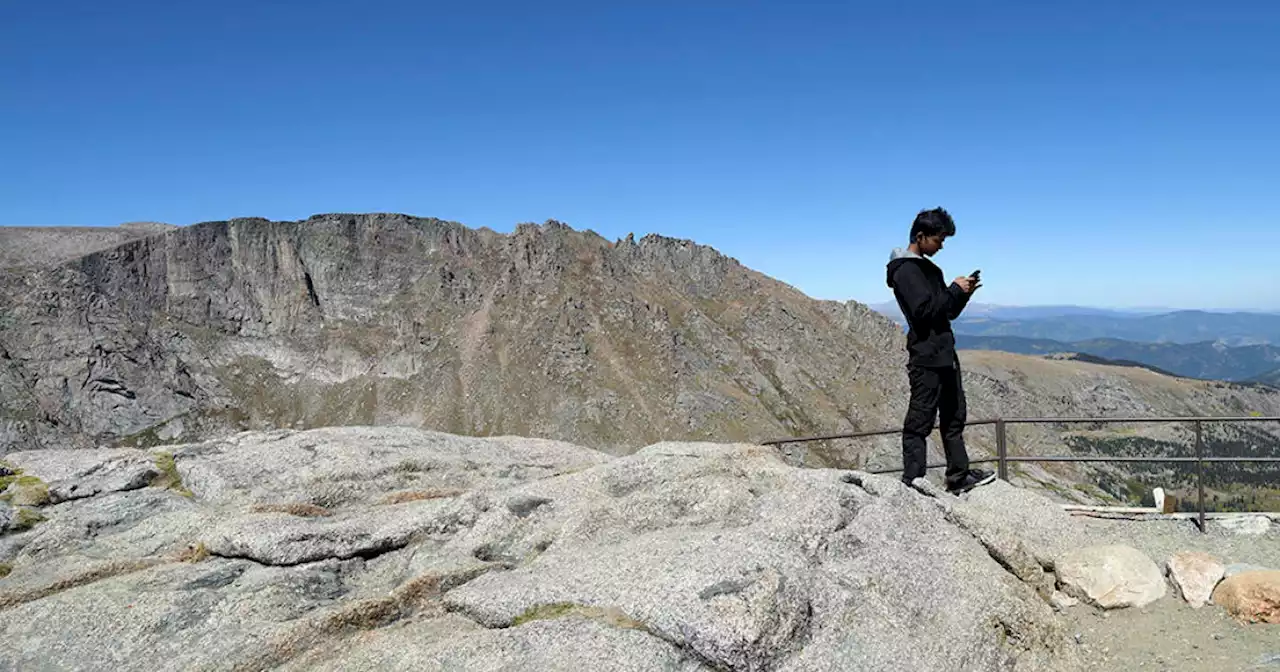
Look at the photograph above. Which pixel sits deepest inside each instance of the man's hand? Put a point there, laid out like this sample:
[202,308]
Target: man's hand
[967,284]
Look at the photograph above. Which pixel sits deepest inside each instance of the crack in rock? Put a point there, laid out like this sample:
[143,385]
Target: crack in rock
[101,572]
[1007,550]
[726,587]
[367,553]
[419,595]
[609,615]
[285,540]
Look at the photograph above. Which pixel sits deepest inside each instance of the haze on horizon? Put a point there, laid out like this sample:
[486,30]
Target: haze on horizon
[1106,156]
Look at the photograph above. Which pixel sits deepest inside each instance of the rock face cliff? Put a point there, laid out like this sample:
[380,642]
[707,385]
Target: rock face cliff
[388,319]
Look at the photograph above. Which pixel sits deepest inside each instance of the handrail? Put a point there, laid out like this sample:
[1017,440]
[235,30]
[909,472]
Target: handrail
[1032,420]
[1002,458]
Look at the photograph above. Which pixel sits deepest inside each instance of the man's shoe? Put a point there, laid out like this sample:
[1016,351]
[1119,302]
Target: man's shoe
[970,480]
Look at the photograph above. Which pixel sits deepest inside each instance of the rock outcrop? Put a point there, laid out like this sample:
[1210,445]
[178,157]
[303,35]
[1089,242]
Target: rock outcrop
[360,547]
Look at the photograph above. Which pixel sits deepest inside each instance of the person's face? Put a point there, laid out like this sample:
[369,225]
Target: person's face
[929,245]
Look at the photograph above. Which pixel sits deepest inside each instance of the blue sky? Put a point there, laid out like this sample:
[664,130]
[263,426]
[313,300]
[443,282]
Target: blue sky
[1101,153]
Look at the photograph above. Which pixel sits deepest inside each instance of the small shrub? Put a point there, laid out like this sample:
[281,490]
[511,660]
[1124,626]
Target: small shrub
[611,616]
[169,476]
[411,467]
[5,569]
[543,612]
[10,475]
[26,519]
[26,491]
[419,495]
[293,508]
[193,553]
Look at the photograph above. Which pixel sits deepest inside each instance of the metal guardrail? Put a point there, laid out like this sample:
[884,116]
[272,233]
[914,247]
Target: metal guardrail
[1003,458]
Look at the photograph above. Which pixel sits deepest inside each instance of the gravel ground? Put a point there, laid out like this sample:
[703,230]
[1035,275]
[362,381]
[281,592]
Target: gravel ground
[1160,539]
[1169,635]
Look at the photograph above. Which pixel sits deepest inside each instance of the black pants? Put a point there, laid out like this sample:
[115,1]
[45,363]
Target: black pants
[935,392]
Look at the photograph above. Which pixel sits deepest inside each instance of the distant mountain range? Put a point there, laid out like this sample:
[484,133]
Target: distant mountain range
[1207,359]
[1002,312]
[1073,323]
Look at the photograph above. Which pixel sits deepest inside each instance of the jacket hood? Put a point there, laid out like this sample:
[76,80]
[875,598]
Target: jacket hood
[898,257]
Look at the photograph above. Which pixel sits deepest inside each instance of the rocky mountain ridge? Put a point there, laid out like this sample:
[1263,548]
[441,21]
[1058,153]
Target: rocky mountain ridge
[549,332]
[390,319]
[1207,360]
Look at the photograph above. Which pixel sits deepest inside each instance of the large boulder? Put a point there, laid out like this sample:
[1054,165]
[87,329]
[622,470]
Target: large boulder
[1253,597]
[1110,576]
[1194,576]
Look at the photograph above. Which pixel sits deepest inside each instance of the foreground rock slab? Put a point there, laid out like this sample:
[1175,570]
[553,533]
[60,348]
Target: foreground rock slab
[390,548]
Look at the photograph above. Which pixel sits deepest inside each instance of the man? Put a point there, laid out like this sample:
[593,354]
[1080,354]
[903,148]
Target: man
[933,368]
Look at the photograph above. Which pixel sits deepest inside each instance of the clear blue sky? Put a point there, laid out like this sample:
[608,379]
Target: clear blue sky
[1102,153]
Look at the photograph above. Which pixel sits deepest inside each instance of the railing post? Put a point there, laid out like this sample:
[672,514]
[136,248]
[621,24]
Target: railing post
[1200,471]
[1002,451]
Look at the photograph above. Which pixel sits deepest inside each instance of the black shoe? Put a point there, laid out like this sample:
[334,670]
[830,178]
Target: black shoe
[970,480]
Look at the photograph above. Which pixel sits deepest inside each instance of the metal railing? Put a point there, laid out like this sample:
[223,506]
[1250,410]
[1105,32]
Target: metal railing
[1003,458]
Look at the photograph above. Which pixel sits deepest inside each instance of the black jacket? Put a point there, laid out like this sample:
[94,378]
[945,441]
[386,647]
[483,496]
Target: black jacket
[929,305]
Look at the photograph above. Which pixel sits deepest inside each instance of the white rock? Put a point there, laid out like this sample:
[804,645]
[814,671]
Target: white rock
[1194,576]
[1110,576]
[1061,600]
[1250,525]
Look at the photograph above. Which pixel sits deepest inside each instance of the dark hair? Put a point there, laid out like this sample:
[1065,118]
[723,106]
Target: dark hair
[935,222]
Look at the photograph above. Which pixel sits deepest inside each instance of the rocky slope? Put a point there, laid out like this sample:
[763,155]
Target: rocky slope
[549,332]
[396,548]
